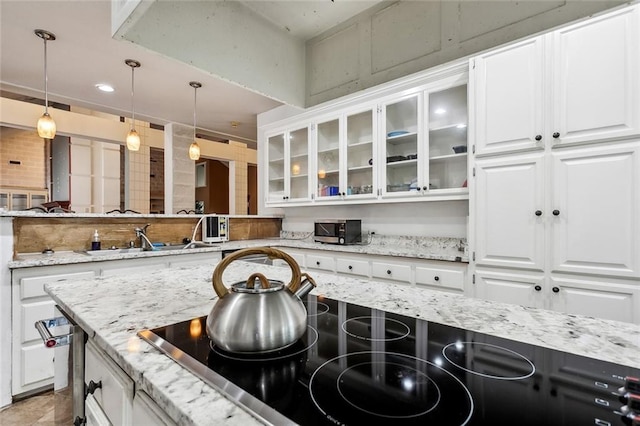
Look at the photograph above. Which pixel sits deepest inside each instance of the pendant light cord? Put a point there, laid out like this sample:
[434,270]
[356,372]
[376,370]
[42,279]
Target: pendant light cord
[195,93]
[133,111]
[46,80]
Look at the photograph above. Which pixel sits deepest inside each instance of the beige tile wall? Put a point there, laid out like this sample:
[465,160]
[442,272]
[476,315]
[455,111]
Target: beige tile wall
[26,147]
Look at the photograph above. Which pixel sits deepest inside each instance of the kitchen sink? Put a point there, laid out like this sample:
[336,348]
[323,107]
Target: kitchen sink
[131,250]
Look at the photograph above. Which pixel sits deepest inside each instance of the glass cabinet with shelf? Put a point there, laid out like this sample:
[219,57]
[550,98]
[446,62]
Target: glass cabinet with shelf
[288,166]
[345,155]
[447,138]
[402,145]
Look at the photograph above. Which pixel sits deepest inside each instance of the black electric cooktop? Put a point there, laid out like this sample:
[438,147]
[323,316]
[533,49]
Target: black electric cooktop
[357,365]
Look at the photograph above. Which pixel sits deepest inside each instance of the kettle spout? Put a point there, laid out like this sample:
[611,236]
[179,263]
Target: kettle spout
[307,285]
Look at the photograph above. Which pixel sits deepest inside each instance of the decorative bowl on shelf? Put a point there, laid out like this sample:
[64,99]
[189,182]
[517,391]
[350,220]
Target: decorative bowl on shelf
[397,133]
[460,149]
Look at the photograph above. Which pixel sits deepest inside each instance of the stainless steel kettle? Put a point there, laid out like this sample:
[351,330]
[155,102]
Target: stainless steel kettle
[251,318]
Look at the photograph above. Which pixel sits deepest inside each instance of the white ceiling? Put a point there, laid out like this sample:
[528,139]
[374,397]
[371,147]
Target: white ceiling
[84,54]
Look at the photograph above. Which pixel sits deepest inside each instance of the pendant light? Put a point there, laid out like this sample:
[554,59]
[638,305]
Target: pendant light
[46,125]
[133,139]
[194,148]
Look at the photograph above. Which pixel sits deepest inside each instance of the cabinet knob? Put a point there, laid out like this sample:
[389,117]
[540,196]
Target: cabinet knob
[538,288]
[538,137]
[424,188]
[436,278]
[388,271]
[350,267]
[79,421]
[318,263]
[93,386]
[538,212]
[556,135]
[556,212]
[555,289]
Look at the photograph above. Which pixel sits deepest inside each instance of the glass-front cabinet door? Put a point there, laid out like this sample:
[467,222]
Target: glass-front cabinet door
[328,159]
[288,166]
[276,167]
[359,154]
[402,146]
[299,164]
[447,139]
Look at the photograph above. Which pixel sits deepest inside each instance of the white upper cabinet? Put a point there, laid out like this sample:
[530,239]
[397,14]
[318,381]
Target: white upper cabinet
[577,84]
[509,92]
[510,211]
[594,210]
[596,78]
[288,166]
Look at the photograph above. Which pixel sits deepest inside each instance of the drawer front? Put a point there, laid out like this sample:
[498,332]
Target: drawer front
[351,266]
[36,365]
[325,263]
[147,412]
[446,278]
[32,312]
[116,391]
[391,271]
[34,286]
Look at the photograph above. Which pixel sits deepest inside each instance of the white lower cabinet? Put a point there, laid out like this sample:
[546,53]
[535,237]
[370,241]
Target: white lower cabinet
[112,388]
[433,274]
[32,362]
[607,298]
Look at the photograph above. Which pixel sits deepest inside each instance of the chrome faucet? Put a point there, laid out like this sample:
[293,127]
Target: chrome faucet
[141,233]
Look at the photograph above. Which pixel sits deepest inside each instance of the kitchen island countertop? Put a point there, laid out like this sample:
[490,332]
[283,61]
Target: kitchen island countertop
[113,309]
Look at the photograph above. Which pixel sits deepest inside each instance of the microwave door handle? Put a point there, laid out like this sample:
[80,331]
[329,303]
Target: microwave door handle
[51,341]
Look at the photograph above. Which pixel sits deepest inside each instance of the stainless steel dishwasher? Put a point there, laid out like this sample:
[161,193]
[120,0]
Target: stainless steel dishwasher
[68,382]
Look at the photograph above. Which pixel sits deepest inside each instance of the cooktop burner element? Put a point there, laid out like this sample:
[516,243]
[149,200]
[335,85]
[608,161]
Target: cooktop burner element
[387,385]
[519,367]
[378,329]
[357,365]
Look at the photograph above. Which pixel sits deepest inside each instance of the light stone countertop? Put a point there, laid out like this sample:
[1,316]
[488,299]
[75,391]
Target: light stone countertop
[431,248]
[113,309]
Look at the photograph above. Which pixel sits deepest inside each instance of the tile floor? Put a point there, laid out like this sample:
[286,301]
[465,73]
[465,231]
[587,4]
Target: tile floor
[36,410]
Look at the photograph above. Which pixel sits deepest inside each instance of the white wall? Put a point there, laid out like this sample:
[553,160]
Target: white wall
[6,255]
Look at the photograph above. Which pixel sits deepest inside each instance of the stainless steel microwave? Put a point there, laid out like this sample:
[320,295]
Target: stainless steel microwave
[215,229]
[338,231]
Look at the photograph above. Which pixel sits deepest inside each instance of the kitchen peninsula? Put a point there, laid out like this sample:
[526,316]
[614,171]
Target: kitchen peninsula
[113,309]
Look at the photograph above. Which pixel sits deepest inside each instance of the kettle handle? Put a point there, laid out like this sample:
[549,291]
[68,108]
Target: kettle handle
[221,290]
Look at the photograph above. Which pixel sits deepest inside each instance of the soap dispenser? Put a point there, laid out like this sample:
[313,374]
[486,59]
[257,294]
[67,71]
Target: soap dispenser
[95,242]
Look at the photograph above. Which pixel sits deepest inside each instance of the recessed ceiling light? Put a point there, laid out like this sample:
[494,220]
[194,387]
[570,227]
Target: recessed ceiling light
[440,111]
[103,87]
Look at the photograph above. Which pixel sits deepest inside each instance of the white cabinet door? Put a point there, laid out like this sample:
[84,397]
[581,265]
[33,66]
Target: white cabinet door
[509,213]
[146,412]
[595,207]
[596,88]
[513,287]
[595,297]
[509,97]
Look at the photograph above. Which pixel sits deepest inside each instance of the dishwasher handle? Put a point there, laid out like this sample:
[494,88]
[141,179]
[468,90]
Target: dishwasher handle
[51,341]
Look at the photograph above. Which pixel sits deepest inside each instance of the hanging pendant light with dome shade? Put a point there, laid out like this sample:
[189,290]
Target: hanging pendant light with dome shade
[46,125]
[194,148]
[133,139]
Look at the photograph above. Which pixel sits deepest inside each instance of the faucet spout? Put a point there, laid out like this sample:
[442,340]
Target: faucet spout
[141,233]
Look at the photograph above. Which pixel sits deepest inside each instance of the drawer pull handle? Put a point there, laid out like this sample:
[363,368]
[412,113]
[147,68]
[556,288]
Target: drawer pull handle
[388,271]
[437,278]
[538,288]
[350,267]
[555,289]
[79,421]
[93,386]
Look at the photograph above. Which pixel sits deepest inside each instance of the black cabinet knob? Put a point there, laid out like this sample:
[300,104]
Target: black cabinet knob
[556,135]
[556,212]
[93,386]
[538,137]
[538,212]
[424,188]
[555,289]
[388,271]
[538,288]
[79,421]
[436,278]
[350,267]
[318,263]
